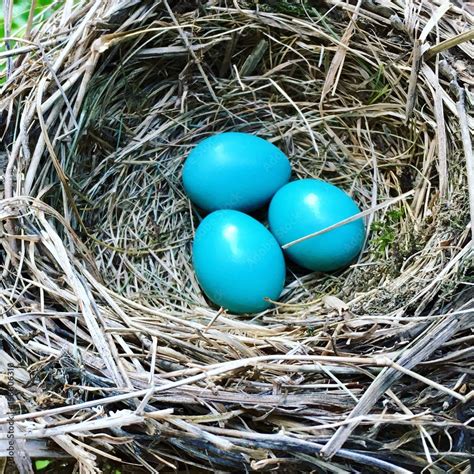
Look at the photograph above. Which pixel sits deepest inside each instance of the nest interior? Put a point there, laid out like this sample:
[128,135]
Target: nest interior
[117,351]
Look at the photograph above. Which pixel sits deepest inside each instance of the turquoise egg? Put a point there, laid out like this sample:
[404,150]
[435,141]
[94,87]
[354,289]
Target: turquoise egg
[238,262]
[306,206]
[234,171]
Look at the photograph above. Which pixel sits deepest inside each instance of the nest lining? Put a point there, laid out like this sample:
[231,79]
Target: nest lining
[100,285]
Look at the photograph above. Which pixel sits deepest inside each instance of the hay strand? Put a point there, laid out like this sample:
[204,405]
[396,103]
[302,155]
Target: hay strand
[118,356]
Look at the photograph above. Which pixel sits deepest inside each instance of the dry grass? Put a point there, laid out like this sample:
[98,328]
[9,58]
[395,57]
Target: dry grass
[119,354]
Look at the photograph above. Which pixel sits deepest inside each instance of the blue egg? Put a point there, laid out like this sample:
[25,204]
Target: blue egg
[306,206]
[234,171]
[238,262]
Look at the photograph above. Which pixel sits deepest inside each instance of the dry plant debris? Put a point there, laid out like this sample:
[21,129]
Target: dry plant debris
[119,356]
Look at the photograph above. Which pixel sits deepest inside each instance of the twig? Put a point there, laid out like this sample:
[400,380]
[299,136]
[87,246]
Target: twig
[450,43]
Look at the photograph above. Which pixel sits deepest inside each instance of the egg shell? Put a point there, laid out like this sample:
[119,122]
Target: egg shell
[234,170]
[306,206]
[238,262]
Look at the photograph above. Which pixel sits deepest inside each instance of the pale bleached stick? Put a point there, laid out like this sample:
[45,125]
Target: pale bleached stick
[123,418]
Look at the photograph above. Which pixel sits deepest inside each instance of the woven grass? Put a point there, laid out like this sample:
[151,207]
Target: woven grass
[117,353]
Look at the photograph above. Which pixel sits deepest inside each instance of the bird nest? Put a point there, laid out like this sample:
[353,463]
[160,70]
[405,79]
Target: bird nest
[110,351]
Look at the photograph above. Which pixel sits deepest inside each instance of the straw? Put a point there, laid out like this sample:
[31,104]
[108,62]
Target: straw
[117,354]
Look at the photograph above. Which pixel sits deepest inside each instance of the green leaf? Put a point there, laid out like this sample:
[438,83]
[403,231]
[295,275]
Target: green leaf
[42,464]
